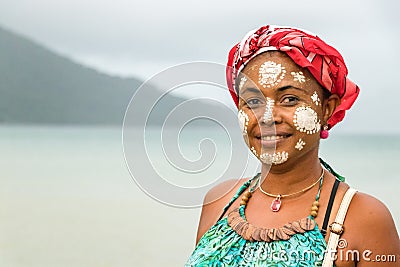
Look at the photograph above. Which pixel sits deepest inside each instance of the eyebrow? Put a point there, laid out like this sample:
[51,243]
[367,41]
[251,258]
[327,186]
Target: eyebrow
[251,90]
[281,89]
[292,87]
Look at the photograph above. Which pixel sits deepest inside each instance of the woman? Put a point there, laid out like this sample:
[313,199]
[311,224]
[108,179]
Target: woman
[291,88]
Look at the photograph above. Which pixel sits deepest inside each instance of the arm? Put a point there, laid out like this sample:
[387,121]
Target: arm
[370,230]
[214,202]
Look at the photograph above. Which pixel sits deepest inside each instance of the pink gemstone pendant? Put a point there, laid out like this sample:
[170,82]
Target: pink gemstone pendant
[276,204]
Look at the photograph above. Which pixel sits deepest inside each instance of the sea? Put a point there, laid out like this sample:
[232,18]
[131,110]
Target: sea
[75,196]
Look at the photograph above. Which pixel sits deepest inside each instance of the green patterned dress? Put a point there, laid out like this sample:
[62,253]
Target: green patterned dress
[222,246]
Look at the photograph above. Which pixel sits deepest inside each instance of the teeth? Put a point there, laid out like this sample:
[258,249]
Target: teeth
[272,137]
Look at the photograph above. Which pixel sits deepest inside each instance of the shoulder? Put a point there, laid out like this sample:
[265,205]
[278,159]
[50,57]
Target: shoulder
[214,203]
[369,226]
[225,190]
[371,210]
[363,206]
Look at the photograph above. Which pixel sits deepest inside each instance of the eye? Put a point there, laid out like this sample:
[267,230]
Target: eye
[253,102]
[290,100]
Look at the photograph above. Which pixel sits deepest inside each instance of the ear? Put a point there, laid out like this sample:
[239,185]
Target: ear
[330,105]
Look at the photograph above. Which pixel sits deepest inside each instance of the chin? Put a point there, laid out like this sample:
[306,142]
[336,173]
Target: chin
[274,158]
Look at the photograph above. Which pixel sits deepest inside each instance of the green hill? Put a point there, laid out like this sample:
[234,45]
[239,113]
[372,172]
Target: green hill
[38,86]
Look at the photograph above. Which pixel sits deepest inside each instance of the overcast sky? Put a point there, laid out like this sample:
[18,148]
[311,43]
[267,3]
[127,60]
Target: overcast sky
[141,38]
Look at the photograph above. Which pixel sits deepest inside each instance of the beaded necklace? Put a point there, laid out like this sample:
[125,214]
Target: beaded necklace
[238,222]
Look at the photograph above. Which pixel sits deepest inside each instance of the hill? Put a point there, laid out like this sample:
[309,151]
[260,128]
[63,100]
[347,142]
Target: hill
[38,86]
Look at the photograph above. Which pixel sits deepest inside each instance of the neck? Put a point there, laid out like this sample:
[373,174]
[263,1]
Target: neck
[291,177]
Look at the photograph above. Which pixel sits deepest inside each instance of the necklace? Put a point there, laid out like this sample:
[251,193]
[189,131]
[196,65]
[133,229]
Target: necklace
[238,222]
[276,203]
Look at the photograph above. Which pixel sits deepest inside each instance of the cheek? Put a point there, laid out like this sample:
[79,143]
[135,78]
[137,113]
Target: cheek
[243,120]
[300,144]
[252,117]
[247,121]
[306,120]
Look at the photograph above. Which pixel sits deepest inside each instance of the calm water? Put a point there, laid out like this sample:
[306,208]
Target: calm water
[67,199]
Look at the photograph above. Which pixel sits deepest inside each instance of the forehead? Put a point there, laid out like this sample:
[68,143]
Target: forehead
[273,70]
[275,56]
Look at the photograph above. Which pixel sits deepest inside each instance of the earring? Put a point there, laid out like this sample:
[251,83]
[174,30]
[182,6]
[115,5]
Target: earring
[324,132]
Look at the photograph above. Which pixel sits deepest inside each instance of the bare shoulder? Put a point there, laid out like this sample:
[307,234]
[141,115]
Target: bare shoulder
[369,225]
[371,211]
[214,202]
[221,191]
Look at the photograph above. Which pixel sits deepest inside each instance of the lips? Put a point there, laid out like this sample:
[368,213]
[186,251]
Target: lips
[272,139]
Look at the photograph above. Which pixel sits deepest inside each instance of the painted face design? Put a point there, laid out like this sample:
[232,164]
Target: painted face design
[315,98]
[243,80]
[275,158]
[300,144]
[298,76]
[243,119]
[253,150]
[268,110]
[270,74]
[306,120]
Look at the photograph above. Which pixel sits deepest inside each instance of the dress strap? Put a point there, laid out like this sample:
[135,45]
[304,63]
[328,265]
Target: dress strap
[331,170]
[238,193]
[329,208]
[336,228]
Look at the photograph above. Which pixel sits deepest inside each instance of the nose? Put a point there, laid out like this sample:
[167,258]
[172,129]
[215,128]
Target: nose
[270,122]
[270,116]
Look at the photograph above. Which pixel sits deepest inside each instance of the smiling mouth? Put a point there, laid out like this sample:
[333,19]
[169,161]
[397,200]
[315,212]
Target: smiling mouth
[273,137]
[272,140]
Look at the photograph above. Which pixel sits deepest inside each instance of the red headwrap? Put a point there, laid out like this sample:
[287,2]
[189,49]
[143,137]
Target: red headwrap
[307,50]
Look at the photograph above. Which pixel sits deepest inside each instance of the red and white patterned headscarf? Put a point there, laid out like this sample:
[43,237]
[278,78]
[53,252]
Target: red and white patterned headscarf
[307,50]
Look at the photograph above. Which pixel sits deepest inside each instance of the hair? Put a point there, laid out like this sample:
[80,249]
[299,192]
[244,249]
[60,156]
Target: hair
[325,93]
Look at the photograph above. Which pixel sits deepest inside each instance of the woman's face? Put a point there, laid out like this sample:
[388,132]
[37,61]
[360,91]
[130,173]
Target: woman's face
[281,108]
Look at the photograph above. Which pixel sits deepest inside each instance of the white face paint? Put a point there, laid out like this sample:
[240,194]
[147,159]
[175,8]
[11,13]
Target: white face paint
[253,150]
[275,159]
[270,74]
[298,77]
[243,80]
[268,110]
[243,121]
[316,99]
[306,120]
[300,144]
